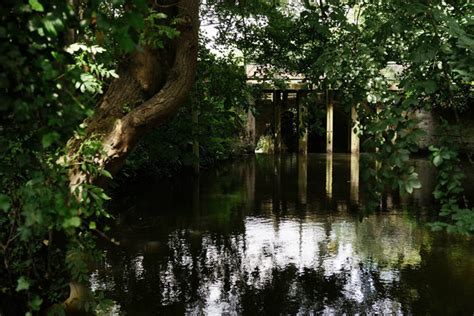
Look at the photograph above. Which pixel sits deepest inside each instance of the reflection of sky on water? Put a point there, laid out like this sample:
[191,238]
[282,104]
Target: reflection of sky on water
[266,245]
[307,246]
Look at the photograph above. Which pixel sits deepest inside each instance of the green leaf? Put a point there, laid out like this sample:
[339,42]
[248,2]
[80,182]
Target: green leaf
[446,155]
[5,202]
[158,15]
[104,196]
[23,284]
[72,222]
[36,5]
[438,194]
[49,138]
[409,188]
[49,26]
[124,40]
[136,20]
[35,303]
[106,174]
[429,86]
[437,160]
[416,184]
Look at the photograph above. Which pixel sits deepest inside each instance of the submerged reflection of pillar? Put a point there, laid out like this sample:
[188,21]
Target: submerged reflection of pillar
[196,194]
[276,183]
[250,184]
[355,178]
[302,179]
[329,176]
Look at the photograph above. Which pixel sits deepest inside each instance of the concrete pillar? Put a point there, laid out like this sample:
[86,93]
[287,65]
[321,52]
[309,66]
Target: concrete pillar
[329,121]
[250,131]
[283,108]
[302,126]
[354,140]
[302,179]
[277,121]
[195,124]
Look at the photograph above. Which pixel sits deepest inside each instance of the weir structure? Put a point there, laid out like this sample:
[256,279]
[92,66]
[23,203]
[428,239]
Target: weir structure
[297,98]
[274,102]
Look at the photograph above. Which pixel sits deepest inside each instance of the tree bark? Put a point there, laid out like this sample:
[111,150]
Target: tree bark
[146,93]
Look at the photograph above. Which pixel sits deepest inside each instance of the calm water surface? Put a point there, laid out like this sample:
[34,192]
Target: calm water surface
[270,235]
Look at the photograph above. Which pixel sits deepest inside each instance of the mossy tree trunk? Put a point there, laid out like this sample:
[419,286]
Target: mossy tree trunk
[152,85]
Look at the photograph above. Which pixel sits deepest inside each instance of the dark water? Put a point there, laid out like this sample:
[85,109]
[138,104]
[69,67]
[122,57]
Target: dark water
[275,236]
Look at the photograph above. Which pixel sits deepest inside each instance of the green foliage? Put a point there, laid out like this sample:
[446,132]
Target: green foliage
[91,73]
[48,86]
[56,62]
[265,144]
[157,29]
[122,22]
[449,191]
[315,119]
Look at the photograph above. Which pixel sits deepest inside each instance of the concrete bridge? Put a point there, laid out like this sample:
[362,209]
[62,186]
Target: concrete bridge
[274,105]
[292,103]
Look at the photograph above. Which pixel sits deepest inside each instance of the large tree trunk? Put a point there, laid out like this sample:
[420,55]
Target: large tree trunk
[146,93]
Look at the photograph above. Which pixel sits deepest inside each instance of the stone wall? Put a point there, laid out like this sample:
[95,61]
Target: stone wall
[430,123]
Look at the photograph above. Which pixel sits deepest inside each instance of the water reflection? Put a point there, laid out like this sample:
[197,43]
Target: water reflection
[302,179]
[329,171]
[269,235]
[355,166]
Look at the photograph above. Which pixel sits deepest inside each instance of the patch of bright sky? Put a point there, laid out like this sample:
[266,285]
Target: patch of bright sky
[210,31]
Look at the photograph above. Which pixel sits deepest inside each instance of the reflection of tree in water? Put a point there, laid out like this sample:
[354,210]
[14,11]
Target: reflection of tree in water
[444,281]
[391,240]
[290,291]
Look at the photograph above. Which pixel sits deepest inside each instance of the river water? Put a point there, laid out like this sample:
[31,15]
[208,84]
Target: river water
[283,235]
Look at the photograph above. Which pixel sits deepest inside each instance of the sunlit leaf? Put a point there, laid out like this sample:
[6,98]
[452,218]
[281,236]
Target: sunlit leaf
[72,222]
[36,5]
[22,284]
[437,160]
